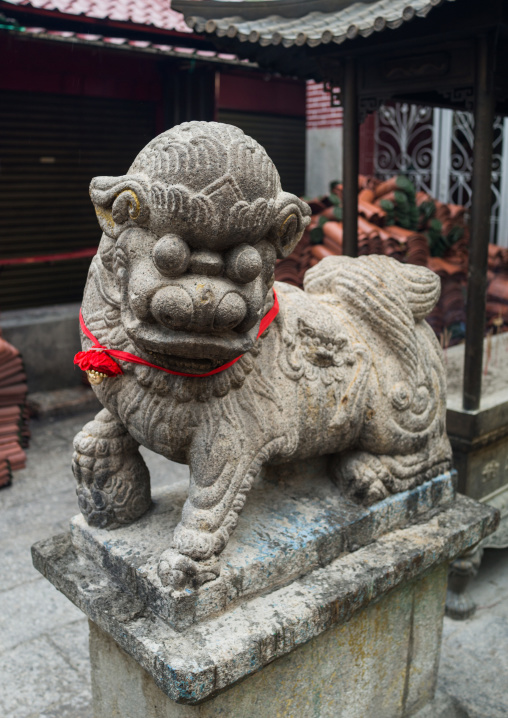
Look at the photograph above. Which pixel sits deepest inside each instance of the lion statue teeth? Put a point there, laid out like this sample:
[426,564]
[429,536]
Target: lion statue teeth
[182,280]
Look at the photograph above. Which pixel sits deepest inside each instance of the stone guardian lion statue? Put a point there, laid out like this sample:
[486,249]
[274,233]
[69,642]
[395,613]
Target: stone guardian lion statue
[177,294]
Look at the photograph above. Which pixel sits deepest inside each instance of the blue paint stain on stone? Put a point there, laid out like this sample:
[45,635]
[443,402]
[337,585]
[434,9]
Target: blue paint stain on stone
[282,533]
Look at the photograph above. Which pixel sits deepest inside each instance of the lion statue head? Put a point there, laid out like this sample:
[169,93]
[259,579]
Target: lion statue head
[191,235]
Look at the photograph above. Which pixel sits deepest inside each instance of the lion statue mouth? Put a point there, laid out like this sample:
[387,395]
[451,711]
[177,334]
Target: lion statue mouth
[186,351]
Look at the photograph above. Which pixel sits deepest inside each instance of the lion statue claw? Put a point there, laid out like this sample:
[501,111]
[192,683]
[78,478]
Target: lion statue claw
[198,355]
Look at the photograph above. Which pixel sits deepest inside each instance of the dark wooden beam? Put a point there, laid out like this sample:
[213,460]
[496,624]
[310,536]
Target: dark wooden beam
[350,158]
[480,223]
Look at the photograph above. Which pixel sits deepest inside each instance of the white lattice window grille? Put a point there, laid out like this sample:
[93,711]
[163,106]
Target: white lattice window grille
[461,165]
[434,148]
[404,143]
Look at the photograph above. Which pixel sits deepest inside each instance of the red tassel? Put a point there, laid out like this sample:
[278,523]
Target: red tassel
[98,362]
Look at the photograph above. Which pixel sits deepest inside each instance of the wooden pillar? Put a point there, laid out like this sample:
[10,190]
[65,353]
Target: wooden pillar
[350,159]
[480,224]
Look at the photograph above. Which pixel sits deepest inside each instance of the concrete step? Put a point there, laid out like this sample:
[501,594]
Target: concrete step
[62,402]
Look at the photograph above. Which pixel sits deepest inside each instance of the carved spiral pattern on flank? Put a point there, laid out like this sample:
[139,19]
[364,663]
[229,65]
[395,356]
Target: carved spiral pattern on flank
[401,396]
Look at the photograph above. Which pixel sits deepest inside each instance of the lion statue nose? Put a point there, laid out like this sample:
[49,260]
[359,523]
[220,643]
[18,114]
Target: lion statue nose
[197,310]
[230,311]
[172,306]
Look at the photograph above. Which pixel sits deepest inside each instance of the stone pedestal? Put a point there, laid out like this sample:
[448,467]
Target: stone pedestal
[381,663]
[480,455]
[323,608]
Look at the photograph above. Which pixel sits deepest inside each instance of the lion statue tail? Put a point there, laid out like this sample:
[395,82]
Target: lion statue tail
[384,295]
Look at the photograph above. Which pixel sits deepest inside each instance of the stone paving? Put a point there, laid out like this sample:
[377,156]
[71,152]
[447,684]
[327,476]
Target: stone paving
[44,669]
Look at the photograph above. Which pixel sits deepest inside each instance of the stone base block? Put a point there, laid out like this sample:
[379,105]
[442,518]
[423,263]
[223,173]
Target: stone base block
[338,610]
[383,663]
[288,528]
[358,636]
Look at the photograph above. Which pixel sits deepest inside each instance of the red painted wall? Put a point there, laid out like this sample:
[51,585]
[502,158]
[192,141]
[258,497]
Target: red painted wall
[32,65]
[252,92]
[43,66]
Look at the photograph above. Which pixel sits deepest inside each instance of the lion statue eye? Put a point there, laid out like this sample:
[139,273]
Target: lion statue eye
[171,255]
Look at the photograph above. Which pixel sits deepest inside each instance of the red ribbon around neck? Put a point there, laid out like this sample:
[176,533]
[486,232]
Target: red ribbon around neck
[99,358]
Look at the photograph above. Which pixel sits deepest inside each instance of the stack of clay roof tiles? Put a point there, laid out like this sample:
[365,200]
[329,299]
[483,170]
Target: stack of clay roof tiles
[412,227]
[14,432]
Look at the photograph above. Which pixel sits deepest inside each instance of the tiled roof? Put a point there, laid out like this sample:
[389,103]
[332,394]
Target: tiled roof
[151,13]
[187,53]
[313,29]
[157,13]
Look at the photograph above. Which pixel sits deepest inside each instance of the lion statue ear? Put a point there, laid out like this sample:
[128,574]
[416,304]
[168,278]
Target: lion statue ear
[120,202]
[291,216]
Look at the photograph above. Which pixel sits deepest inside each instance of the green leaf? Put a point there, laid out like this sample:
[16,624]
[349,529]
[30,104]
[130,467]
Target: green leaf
[316,235]
[427,210]
[454,235]
[405,184]
[401,199]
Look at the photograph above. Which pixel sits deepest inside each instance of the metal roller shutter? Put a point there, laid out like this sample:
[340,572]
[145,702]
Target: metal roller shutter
[50,148]
[282,137]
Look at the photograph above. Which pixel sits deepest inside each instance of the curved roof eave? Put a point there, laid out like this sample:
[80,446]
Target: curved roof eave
[321,26]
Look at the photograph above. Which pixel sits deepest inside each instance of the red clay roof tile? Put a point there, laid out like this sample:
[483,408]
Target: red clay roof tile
[141,12]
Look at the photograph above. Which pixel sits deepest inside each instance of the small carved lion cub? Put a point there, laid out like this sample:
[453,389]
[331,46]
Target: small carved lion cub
[183,279]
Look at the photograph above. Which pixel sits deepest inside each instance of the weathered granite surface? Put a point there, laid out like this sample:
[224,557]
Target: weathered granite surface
[212,655]
[288,528]
[380,664]
[182,279]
